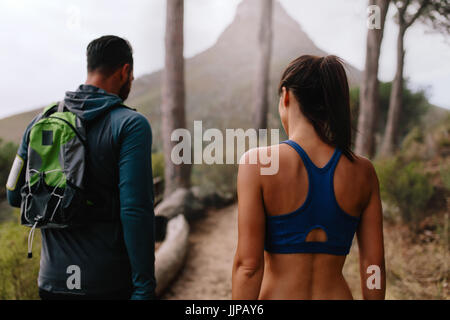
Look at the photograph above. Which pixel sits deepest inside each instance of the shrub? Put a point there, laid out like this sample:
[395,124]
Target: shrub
[445,176]
[413,146]
[442,133]
[405,186]
[221,178]
[158,164]
[415,106]
[18,274]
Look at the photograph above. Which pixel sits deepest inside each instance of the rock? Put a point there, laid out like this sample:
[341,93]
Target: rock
[170,256]
[181,201]
[173,205]
[194,209]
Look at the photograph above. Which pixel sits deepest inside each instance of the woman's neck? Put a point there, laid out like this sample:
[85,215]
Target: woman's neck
[301,130]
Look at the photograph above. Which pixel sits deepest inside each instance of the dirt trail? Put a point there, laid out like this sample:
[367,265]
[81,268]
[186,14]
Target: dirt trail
[212,244]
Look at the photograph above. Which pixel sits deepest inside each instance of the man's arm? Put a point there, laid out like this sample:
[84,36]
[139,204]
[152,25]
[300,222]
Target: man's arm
[136,204]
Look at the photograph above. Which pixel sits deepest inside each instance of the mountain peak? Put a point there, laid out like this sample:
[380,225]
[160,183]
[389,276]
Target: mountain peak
[240,39]
[248,9]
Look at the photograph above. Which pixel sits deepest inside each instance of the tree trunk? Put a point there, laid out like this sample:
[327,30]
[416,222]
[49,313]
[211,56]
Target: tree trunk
[369,92]
[173,96]
[395,101]
[263,57]
[171,255]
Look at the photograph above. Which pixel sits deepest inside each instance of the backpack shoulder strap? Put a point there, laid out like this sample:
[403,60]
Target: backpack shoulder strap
[50,109]
[61,106]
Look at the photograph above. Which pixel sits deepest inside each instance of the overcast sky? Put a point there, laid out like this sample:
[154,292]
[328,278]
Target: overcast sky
[43,42]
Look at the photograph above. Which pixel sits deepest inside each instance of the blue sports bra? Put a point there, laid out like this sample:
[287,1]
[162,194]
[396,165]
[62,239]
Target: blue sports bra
[287,233]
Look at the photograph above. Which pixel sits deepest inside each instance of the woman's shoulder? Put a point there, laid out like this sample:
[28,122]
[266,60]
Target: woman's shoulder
[261,161]
[363,167]
[258,156]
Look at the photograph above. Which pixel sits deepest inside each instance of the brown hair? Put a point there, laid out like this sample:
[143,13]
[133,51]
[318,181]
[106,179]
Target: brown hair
[320,86]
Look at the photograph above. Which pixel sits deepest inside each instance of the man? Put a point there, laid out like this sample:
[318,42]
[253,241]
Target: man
[104,259]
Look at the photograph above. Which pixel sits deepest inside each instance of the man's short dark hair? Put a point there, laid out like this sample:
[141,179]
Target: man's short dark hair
[108,53]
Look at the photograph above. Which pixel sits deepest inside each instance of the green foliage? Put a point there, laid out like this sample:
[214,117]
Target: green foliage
[7,154]
[354,105]
[416,135]
[404,185]
[18,274]
[415,105]
[443,132]
[158,164]
[221,178]
[429,139]
[445,176]
[413,146]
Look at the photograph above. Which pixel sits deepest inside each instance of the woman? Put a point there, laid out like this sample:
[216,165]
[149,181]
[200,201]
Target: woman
[296,227]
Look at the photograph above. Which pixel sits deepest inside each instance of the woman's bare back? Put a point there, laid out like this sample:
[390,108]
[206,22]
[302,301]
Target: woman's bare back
[310,275]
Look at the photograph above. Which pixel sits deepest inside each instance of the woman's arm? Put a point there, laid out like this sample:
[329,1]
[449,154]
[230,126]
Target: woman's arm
[370,243]
[248,267]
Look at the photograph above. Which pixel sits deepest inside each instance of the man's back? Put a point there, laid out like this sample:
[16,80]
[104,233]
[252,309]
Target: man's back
[119,181]
[114,257]
[98,248]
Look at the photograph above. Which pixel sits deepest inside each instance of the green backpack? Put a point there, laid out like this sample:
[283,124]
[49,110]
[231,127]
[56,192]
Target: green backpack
[53,194]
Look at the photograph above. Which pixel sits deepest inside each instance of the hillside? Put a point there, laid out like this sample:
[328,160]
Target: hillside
[218,80]
[12,128]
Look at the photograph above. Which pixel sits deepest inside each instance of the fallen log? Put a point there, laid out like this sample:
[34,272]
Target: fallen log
[170,256]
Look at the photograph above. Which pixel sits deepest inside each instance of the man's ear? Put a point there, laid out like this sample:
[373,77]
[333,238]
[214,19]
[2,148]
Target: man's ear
[125,71]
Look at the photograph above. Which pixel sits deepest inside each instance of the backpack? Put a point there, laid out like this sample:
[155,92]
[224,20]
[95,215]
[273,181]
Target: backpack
[53,195]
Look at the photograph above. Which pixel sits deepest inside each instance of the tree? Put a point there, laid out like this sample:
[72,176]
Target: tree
[433,12]
[369,93]
[173,96]
[263,58]
[415,101]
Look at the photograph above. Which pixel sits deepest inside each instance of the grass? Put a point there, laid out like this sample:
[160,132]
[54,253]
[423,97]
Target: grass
[416,264]
[18,274]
